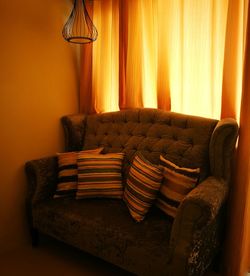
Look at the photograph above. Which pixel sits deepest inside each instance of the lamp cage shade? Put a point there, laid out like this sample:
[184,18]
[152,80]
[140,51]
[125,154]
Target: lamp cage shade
[79,28]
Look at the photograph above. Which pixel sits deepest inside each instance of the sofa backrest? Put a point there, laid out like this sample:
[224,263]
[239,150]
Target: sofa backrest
[188,141]
[182,139]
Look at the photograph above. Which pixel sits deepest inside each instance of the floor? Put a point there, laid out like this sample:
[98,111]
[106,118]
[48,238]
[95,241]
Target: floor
[54,258]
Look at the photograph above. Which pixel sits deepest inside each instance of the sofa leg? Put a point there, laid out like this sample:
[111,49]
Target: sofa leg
[34,237]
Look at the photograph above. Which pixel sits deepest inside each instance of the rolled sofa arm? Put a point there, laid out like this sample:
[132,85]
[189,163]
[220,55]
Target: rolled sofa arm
[42,178]
[221,148]
[74,128]
[195,230]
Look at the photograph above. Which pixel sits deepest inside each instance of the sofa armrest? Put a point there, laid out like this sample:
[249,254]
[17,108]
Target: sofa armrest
[74,128]
[42,178]
[221,148]
[196,221]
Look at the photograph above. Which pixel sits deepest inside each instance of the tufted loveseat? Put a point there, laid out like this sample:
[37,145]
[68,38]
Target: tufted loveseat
[159,245]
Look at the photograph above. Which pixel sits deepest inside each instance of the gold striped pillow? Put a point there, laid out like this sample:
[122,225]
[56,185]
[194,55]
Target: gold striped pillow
[143,183]
[177,183]
[67,172]
[99,175]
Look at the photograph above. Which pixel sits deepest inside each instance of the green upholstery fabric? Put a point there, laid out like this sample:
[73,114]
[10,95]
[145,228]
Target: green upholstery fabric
[104,227]
[196,231]
[182,139]
[109,231]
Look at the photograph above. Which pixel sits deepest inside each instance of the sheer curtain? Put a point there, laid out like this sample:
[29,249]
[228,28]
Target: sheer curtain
[195,32]
[184,56]
[236,86]
[159,54]
[99,83]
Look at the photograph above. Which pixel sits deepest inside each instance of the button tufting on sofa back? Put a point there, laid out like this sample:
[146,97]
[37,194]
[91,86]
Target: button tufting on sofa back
[181,138]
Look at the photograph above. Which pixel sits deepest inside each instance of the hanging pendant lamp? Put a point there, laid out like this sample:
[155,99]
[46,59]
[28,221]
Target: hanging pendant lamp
[79,28]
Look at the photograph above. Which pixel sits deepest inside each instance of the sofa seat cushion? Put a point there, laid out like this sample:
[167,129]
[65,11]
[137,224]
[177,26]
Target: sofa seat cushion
[104,228]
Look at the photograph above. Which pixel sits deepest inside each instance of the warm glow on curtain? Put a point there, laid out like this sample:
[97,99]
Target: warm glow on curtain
[105,68]
[236,83]
[234,59]
[196,32]
[173,49]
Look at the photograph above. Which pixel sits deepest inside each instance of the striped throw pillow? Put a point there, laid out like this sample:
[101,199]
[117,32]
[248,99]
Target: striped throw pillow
[177,183]
[99,175]
[67,172]
[143,183]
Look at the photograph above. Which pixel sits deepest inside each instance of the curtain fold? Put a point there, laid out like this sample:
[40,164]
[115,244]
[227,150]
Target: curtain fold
[233,60]
[237,260]
[123,46]
[85,98]
[106,56]
[85,94]
[163,82]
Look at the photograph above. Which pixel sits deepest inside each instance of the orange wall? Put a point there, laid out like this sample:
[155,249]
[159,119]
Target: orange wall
[38,84]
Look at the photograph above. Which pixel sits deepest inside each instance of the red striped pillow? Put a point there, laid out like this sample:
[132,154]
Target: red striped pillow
[177,183]
[143,183]
[67,172]
[99,175]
